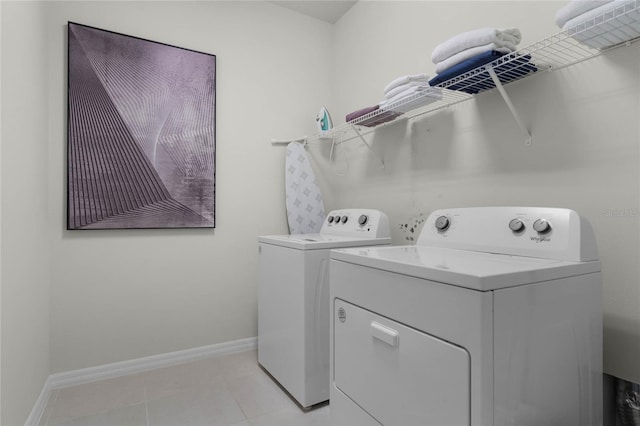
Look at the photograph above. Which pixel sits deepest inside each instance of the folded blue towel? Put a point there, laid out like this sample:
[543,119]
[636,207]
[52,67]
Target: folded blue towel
[465,66]
[512,67]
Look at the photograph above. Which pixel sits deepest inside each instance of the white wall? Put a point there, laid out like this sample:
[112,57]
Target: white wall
[0,218]
[584,122]
[118,295]
[24,242]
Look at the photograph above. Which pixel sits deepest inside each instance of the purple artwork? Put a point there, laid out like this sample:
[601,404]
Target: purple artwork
[141,133]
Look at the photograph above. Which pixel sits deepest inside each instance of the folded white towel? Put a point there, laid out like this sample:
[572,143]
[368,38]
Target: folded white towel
[393,92]
[470,53]
[426,96]
[406,79]
[576,8]
[405,93]
[474,38]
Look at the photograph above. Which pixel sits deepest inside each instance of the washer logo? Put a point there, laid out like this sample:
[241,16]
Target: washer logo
[342,315]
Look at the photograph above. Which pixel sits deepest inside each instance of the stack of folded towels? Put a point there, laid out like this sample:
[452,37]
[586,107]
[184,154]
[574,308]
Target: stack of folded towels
[404,87]
[467,51]
[473,43]
[370,116]
[585,21]
[413,88]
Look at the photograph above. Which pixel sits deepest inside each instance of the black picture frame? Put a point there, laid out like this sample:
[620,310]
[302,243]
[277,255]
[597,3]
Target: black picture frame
[141,133]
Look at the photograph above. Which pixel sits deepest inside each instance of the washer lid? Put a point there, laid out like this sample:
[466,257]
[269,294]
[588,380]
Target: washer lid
[320,241]
[470,269]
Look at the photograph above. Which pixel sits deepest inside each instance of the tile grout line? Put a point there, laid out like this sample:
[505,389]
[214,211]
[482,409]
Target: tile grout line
[228,386]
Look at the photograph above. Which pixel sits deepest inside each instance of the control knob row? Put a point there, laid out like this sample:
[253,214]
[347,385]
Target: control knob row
[362,220]
[337,219]
[541,226]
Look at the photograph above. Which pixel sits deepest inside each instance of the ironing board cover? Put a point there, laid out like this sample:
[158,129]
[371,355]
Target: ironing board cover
[305,210]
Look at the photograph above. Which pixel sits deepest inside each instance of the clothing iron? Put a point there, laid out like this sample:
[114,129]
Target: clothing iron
[323,120]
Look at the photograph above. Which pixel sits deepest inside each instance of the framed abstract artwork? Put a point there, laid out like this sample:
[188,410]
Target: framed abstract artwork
[141,144]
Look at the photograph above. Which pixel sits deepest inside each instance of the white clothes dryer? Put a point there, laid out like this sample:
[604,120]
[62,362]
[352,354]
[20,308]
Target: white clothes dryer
[293,299]
[493,318]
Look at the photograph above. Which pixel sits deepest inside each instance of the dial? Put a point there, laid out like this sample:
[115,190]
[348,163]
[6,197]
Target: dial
[330,219]
[362,220]
[542,226]
[345,219]
[442,223]
[516,225]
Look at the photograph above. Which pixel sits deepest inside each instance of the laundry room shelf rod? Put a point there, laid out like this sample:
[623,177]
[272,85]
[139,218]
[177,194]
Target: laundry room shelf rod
[303,140]
[561,50]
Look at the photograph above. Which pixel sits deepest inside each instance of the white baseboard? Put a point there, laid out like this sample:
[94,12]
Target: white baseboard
[40,405]
[123,368]
[133,366]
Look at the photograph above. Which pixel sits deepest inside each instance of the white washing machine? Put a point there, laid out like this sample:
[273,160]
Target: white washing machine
[293,299]
[493,318]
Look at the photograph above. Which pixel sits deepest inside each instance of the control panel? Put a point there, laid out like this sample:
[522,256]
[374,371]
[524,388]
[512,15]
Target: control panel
[356,222]
[549,233]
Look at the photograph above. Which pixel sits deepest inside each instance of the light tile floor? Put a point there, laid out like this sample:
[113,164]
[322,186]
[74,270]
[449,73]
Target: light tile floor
[224,390]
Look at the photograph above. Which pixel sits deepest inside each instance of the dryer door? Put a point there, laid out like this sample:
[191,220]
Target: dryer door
[399,375]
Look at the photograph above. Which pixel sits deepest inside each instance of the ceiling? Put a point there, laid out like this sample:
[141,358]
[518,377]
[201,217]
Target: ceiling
[325,10]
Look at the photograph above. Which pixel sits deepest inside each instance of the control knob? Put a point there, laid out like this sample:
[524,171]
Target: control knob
[516,225]
[344,219]
[330,219]
[362,220]
[442,223]
[542,226]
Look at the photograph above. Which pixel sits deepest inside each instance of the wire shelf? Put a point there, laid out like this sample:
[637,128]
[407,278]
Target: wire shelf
[617,26]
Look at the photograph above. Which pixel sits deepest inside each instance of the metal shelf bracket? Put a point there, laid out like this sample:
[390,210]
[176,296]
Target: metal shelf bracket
[364,141]
[507,100]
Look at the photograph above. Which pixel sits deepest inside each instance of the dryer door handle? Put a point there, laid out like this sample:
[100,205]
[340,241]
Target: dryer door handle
[385,334]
